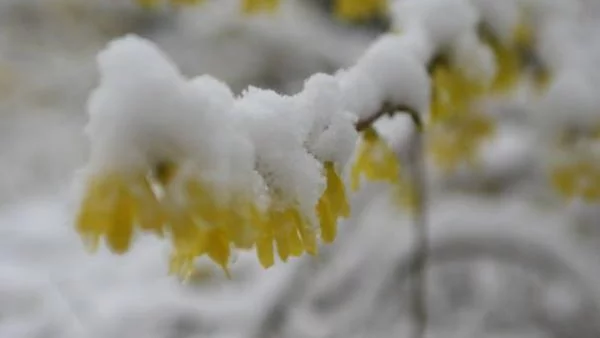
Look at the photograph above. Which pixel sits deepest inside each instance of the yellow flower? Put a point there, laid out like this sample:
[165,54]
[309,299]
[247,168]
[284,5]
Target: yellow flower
[203,225]
[580,178]
[375,160]
[112,205]
[452,92]
[198,223]
[333,204]
[256,6]
[359,10]
[291,233]
[508,67]
[510,57]
[455,129]
[456,140]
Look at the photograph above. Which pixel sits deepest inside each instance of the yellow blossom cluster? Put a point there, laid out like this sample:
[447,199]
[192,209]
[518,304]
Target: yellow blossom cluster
[457,127]
[377,162]
[193,214]
[198,223]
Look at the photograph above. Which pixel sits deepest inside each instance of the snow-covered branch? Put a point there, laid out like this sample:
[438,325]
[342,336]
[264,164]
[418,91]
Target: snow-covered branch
[247,171]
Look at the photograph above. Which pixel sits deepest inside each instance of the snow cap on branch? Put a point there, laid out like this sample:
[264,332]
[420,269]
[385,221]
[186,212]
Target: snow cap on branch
[331,132]
[443,21]
[273,124]
[399,76]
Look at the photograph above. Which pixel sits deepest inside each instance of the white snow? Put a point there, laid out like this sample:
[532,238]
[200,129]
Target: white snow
[146,99]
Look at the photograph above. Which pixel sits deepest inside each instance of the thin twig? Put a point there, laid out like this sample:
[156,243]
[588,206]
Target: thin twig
[386,109]
[421,237]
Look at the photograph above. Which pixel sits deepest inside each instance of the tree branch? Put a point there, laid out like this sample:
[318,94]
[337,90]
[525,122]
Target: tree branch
[386,109]
[421,240]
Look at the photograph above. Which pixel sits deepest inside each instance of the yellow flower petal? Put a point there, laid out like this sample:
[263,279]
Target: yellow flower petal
[189,240]
[120,232]
[264,250]
[336,192]
[150,215]
[326,220]
[281,241]
[107,210]
[218,248]
[95,213]
[295,243]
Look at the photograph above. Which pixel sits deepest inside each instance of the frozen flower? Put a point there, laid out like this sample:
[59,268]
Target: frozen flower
[166,157]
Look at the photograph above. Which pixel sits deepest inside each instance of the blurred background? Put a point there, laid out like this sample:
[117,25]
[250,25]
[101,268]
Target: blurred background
[505,261]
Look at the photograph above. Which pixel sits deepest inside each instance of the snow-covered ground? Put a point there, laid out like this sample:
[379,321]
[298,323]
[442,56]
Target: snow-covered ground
[51,287]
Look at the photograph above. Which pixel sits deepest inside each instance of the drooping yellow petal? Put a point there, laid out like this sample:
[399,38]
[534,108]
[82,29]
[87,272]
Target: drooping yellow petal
[280,224]
[332,204]
[120,232]
[336,192]
[149,213]
[189,241]
[264,251]
[307,234]
[107,210]
[242,222]
[218,248]
[295,243]
[375,160]
[360,166]
[508,67]
[326,220]
[95,213]
[283,248]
